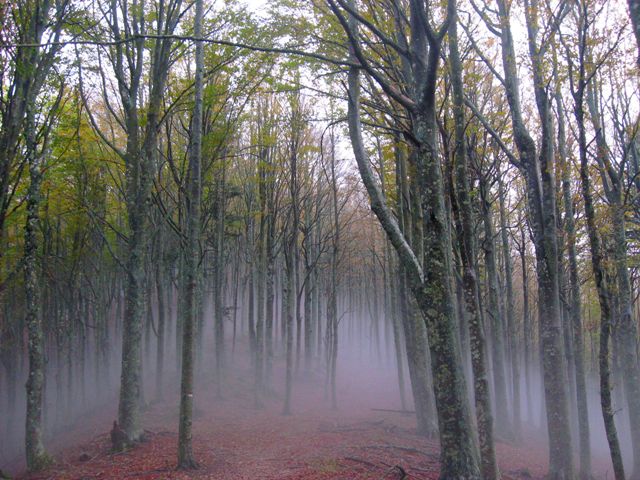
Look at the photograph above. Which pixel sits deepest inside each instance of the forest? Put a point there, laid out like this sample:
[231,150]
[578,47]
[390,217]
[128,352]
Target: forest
[323,239]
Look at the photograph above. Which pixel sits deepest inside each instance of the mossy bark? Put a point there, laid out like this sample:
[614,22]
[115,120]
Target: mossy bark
[538,171]
[625,334]
[463,213]
[575,315]
[186,458]
[37,457]
[428,264]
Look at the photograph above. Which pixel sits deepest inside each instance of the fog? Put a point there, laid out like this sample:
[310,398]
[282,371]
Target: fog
[81,394]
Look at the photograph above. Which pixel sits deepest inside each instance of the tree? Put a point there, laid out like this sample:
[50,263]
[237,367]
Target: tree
[127,58]
[192,255]
[463,213]
[537,169]
[35,22]
[428,269]
[37,150]
[575,315]
[579,78]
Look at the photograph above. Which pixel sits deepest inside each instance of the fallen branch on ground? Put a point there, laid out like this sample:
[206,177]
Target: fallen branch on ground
[404,449]
[391,410]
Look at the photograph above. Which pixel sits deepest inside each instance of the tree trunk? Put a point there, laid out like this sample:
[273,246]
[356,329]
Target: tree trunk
[574,299]
[192,256]
[512,329]
[37,458]
[604,295]
[538,172]
[332,308]
[413,322]
[433,294]
[625,334]
[503,425]
[465,236]
[393,315]
[218,273]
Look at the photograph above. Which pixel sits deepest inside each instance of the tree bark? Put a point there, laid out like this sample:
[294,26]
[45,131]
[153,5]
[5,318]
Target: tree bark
[574,299]
[37,457]
[463,214]
[538,172]
[430,282]
[494,314]
[186,459]
[604,296]
[512,329]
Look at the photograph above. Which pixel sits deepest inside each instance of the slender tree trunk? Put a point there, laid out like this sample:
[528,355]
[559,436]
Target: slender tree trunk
[308,319]
[526,319]
[260,295]
[270,307]
[236,292]
[465,236]
[625,334]
[192,256]
[218,272]
[37,458]
[494,314]
[512,328]
[332,309]
[160,293]
[574,300]
[251,324]
[604,297]
[538,171]
[394,313]
[298,315]
[289,306]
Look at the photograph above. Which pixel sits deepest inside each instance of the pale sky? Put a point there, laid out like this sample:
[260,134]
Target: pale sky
[255,4]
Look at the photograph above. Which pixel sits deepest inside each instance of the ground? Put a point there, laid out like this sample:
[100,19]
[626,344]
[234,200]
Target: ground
[233,439]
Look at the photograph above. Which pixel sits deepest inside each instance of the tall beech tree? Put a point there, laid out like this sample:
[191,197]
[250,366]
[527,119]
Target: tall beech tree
[141,125]
[537,168]
[463,214]
[574,307]
[29,80]
[579,80]
[192,254]
[37,151]
[428,270]
[626,333]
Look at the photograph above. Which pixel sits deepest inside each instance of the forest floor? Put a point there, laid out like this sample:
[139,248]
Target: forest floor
[235,440]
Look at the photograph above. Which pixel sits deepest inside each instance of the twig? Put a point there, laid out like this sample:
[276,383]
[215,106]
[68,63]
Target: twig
[404,412]
[398,447]
[423,470]
[403,473]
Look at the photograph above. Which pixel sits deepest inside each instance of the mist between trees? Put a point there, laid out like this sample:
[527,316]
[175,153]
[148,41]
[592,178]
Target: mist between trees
[446,189]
